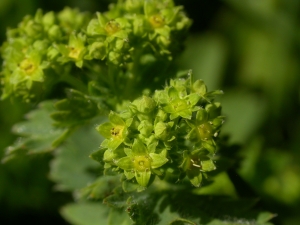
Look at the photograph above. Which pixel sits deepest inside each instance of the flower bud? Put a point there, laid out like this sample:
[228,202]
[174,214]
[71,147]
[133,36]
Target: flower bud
[145,104]
[162,131]
[145,128]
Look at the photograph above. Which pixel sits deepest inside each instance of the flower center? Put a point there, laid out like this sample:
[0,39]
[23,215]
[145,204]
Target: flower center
[142,163]
[28,66]
[179,105]
[116,132]
[156,21]
[112,27]
[74,53]
[205,131]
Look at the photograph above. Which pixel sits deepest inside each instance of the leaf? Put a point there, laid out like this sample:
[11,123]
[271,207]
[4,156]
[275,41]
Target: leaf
[74,110]
[168,217]
[69,169]
[37,135]
[119,217]
[85,213]
[101,188]
[264,217]
[245,113]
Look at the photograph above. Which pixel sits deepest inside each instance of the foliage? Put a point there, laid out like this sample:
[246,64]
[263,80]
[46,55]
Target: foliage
[136,139]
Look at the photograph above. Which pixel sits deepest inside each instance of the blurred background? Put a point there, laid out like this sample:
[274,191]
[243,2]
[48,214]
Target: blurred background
[250,49]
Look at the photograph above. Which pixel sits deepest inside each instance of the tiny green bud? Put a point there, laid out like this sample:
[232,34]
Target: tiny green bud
[145,104]
[205,131]
[145,128]
[112,27]
[162,131]
[156,21]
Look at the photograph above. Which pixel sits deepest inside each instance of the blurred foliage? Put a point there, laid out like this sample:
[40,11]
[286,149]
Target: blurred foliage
[250,49]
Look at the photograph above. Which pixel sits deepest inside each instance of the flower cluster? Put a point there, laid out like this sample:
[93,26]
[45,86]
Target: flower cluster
[38,51]
[175,129]
[30,50]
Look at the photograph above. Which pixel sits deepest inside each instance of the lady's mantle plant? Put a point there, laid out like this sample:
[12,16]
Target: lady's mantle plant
[175,129]
[156,144]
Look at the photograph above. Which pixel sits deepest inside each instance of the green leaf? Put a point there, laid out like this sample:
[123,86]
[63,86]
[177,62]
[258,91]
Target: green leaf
[37,134]
[69,168]
[74,110]
[119,217]
[101,188]
[85,213]
[264,217]
[168,217]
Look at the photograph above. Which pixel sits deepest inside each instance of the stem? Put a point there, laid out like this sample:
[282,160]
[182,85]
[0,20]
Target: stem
[74,82]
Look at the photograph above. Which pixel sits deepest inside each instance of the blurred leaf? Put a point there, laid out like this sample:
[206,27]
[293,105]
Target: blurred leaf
[119,217]
[74,110]
[101,188]
[206,56]
[70,167]
[37,134]
[244,113]
[85,213]
[168,217]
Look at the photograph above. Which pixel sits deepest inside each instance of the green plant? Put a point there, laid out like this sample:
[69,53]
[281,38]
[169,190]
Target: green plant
[159,128]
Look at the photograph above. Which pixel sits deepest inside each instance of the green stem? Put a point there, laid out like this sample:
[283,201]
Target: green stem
[75,83]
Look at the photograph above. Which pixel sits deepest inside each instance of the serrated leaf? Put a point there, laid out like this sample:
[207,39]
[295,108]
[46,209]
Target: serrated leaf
[74,110]
[119,217]
[264,217]
[168,217]
[85,213]
[37,135]
[101,188]
[69,169]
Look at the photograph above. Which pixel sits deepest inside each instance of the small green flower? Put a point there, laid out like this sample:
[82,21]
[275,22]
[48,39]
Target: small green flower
[163,131]
[195,164]
[30,69]
[74,51]
[181,105]
[140,162]
[145,128]
[144,104]
[70,20]
[206,126]
[114,131]
[102,26]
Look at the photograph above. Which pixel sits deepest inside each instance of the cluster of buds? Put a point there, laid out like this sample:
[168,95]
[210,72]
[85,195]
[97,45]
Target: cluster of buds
[45,47]
[30,54]
[174,130]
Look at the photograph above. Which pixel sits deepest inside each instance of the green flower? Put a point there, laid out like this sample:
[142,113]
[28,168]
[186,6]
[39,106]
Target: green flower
[164,18]
[181,105]
[140,162]
[144,104]
[206,126]
[114,131]
[200,88]
[102,26]
[70,20]
[195,164]
[30,69]
[74,51]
